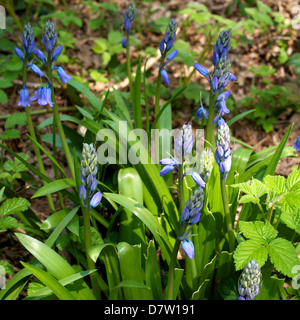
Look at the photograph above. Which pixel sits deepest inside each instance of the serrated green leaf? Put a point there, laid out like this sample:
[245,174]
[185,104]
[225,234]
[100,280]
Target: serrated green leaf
[258,231]
[248,250]
[8,223]
[11,206]
[291,220]
[283,255]
[10,134]
[258,188]
[276,184]
[293,180]
[245,187]
[18,118]
[248,198]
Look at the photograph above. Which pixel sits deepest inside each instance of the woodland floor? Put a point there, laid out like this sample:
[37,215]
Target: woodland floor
[241,59]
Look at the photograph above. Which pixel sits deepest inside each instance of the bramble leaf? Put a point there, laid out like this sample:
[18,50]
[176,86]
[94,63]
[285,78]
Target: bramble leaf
[283,255]
[11,206]
[248,250]
[258,231]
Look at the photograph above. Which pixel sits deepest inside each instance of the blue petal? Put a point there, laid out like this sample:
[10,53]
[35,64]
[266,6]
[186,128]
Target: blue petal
[166,170]
[188,248]
[164,76]
[96,200]
[198,179]
[36,70]
[296,145]
[167,161]
[124,43]
[172,55]
[215,58]
[56,52]
[20,54]
[201,69]
[162,47]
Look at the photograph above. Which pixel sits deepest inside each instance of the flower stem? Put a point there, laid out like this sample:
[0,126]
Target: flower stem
[33,135]
[170,285]
[57,119]
[171,275]
[209,130]
[231,237]
[88,244]
[129,68]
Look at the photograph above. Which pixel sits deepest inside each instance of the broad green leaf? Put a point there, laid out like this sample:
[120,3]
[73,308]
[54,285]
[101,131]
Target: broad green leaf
[283,255]
[54,263]
[13,205]
[148,219]
[8,223]
[248,198]
[248,250]
[54,186]
[258,188]
[291,220]
[245,187]
[54,219]
[293,180]
[276,184]
[46,290]
[132,229]
[10,134]
[59,290]
[131,270]
[152,272]
[293,199]
[131,286]
[258,231]
[17,118]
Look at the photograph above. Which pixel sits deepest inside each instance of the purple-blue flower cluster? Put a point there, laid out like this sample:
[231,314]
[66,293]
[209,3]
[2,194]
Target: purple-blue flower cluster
[88,176]
[165,46]
[221,75]
[43,94]
[249,281]
[223,152]
[28,45]
[189,217]
[296,144]
[129,16]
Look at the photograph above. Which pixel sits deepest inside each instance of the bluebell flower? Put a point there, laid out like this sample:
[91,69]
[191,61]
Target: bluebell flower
[63,76]
[124,43]
[169,37]
[28,40]
[20,54]
[221,75]
[188,248]
[223,152]
[164,76]
[182,148]
[40,55]
[43,96]
[296,144]
[24,97]
[249,281]
[50,36]
[222,45]
[36,69]
[169,165]
[87,177]
[189,217]
[96,199]
[56,53]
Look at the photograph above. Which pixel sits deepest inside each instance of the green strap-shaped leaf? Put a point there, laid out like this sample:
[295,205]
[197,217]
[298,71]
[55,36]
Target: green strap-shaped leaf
[54,186]
[148,219]
[58,289]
